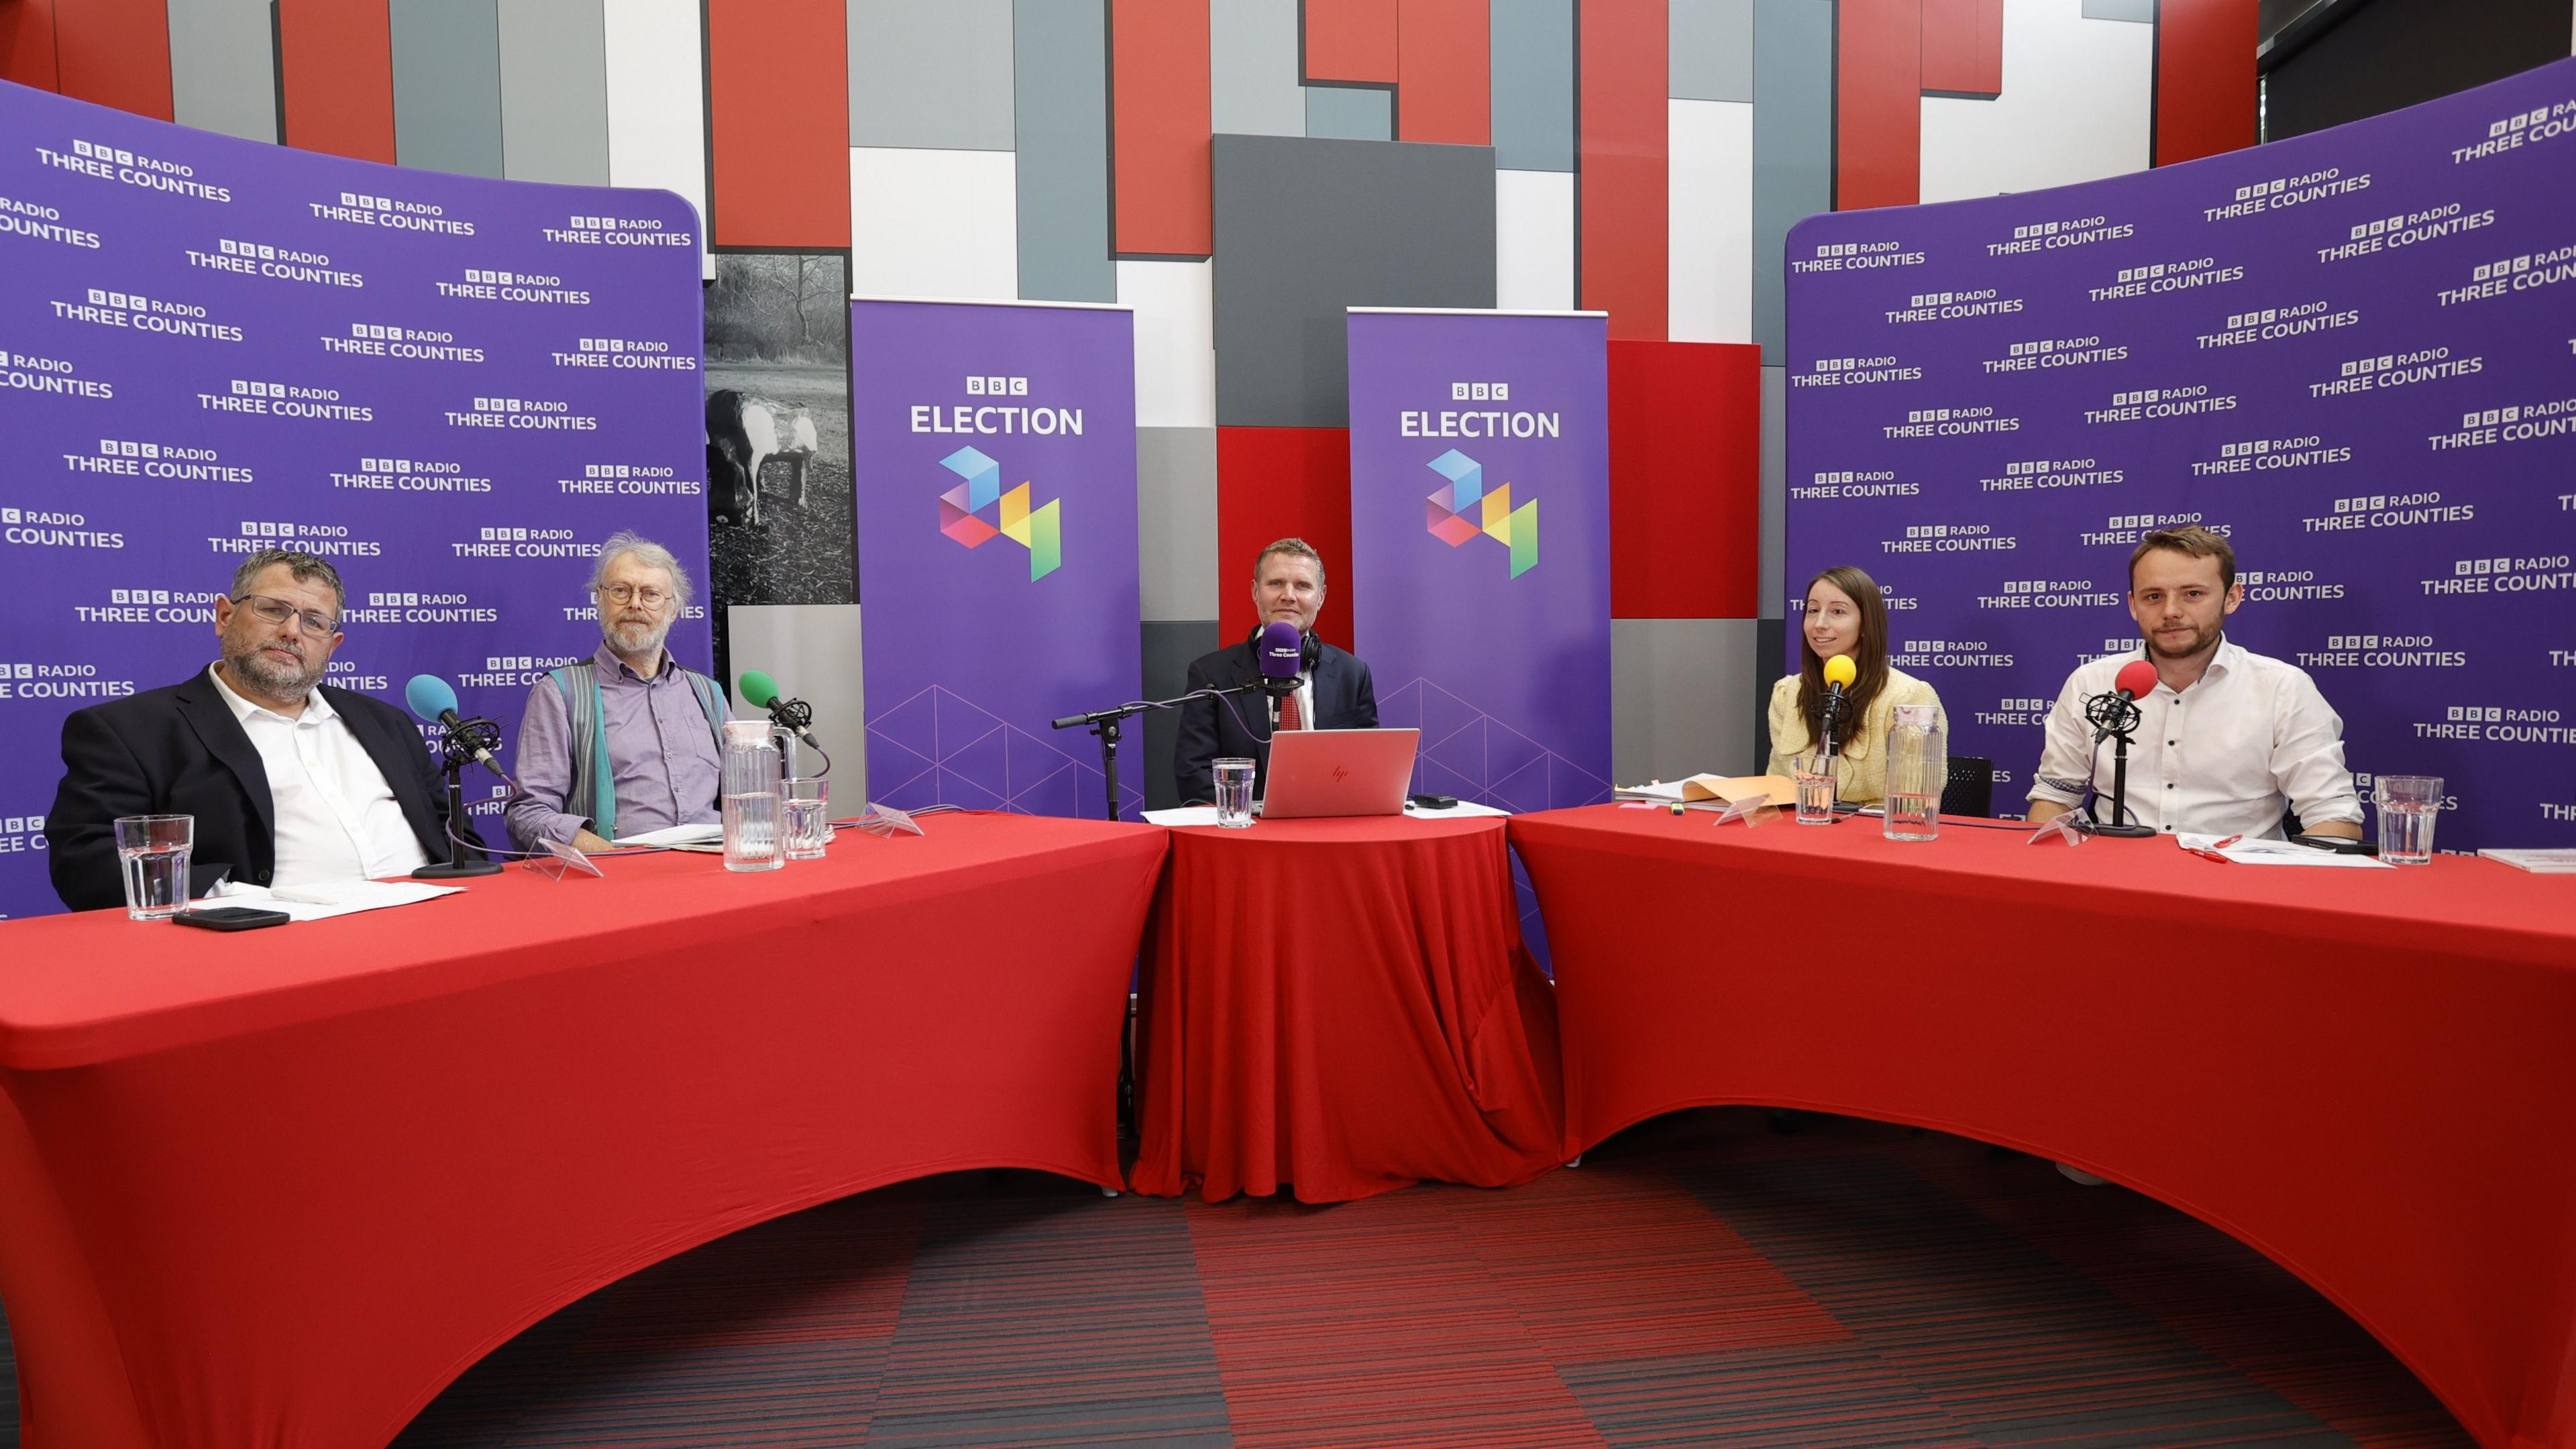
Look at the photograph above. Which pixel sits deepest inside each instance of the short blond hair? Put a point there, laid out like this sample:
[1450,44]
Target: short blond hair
[1296,547]
[2194,540]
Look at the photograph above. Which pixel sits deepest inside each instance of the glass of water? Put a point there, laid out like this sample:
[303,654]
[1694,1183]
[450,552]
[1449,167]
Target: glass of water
[807,809]
[1234,793]
[154,851]
[1815,774]
[2407,805]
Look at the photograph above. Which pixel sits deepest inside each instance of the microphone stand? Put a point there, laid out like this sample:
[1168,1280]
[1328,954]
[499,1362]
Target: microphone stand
[456,750]
[1105,724]
[2116,719]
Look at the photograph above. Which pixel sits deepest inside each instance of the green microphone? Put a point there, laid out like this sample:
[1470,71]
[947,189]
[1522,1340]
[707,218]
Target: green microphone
[793,715]
[758,689]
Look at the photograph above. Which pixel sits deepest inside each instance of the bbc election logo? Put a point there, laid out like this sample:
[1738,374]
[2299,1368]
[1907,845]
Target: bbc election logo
[1494,517]
[977,510]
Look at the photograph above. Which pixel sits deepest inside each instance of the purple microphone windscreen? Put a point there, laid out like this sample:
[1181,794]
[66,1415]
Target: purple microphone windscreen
[1282,650]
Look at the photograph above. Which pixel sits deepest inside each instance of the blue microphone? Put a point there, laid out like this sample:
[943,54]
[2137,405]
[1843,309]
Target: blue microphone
[434,699]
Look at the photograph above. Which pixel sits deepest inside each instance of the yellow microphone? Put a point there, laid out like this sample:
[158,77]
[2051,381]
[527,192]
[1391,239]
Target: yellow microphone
[1839,673]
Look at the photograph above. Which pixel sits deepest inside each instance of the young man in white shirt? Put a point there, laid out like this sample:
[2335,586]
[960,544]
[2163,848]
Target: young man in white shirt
[2228,739]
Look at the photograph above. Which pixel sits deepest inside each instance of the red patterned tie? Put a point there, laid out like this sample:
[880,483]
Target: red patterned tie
[1288,717]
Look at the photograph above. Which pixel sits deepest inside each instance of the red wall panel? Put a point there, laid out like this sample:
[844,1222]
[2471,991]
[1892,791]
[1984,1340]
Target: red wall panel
[1963,47]
[1878,104]
[778,96]
[1685,480]
[2205,85]
[1625,127]
[116,53]
[1351,40]
[1274,483]
[336,67]
[27,43]
[1159,126]
[1446,85]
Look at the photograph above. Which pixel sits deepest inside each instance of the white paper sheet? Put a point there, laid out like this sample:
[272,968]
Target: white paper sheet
[346,897]
[676,835]
[2280,852]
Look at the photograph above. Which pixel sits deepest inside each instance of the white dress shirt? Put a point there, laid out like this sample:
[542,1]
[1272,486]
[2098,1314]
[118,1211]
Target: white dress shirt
[337,818]
[2223,757]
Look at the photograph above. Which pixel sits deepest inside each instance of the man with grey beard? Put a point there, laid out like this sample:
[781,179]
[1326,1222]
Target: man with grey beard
[293,782]
[626,741]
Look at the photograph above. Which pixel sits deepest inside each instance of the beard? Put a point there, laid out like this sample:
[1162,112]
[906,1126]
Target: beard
[630,637]
[272,676]
[2201,640]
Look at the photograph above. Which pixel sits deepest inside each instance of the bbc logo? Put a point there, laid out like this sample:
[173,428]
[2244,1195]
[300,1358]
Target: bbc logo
[2473,566]
[2525,121]
[607,470]
[1836,364]
[261,250]
[608,344]
[500,405]
[2363,366]
[118,448]
[2143,274]
[2491,417]
[372,203]
[1934,299]
[497,663]
[2023,706]
[138,596]
[392,601]
[1928,415]
[1927,530]
[2361,505]
[2043,228]
[2263,188]
[2475,714]
[2131,520]
[268,530]
[505,535]
[1486,391]
[242,388]
[2506,268]
[2381,227]
[1843,476]
[997,386]
[2253,319]
[2352,641]
[384,465]
[2028,349]
[2246,450]
[491,279]
[21,824]
[1839,249]
[373,330]
[98,152]
[130,301]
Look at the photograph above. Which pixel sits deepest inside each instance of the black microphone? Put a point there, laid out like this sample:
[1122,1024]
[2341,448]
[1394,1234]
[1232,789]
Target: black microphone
[2115,710]
[434,699]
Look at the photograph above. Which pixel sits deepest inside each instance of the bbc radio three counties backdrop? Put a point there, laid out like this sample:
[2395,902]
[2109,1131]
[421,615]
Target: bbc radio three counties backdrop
[452,388]
[2353,353]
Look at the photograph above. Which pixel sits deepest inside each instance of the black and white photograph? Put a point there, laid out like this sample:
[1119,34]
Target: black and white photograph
[780,511]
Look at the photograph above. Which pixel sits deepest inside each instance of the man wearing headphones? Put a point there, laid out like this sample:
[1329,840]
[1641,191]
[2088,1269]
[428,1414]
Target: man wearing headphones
[1335,692]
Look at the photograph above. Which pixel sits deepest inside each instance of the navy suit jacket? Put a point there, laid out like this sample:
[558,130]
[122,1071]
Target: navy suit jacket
[1345,699]
[179,751]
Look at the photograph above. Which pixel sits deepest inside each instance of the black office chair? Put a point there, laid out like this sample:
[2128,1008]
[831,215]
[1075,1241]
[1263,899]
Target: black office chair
[1971,790]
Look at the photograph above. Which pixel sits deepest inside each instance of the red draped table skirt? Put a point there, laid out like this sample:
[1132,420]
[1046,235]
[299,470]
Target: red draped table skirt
[2367,1075]
[278,1188]
[1343,1007]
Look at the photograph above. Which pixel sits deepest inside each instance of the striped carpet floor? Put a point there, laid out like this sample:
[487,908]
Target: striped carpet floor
[1701,1280]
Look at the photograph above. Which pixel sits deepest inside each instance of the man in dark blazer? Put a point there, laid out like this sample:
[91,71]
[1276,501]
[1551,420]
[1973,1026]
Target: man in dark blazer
[290,780]
[1287,584]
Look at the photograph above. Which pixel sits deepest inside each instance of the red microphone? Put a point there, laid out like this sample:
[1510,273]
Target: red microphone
[2136,678]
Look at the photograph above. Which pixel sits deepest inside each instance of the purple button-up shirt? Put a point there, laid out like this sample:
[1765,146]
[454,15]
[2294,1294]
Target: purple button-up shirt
[659,749]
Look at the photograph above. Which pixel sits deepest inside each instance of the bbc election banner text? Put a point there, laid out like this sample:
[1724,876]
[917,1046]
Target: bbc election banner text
[452,388]
[995,448]
[2353,353]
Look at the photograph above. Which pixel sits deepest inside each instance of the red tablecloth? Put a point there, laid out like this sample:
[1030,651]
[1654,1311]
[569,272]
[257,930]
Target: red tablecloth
[278,1188]
[1344,1006]
[2367,1075]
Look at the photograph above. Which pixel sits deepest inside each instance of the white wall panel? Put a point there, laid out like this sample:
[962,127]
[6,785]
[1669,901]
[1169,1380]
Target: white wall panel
[1175,341]
[1710,144]
[2076,106]
[934,223]
[1534,241]
[1681,698]
[657,103]
[812,651]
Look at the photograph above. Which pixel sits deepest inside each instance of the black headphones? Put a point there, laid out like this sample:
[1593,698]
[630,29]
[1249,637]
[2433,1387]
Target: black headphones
[1310,650]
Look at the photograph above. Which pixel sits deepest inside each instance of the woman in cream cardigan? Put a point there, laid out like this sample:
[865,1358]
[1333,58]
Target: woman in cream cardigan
[1845,614]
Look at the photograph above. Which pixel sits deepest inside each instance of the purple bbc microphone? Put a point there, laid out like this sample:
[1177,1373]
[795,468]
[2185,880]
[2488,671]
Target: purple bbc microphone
[1282,650]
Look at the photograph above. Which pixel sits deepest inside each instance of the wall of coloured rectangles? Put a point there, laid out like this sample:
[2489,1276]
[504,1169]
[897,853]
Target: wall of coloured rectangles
[1643,157]
[452,388]
[2351,353]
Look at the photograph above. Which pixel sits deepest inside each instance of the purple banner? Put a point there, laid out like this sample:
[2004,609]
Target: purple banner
[1480,547]
[996,464]
[2350,352]
[453,388]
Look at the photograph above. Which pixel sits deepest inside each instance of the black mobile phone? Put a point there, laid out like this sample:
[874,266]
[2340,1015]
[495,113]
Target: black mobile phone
[2338,844]
[231,918]
[1435,802]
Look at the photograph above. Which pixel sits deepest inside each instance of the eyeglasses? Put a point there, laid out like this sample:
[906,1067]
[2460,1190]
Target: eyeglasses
[278,611]
[648,596]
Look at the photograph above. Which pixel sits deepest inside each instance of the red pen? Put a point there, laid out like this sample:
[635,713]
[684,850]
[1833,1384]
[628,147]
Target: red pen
[2211,851]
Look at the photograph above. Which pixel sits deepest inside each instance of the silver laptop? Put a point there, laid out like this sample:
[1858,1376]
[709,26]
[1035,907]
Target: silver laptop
[1338,772]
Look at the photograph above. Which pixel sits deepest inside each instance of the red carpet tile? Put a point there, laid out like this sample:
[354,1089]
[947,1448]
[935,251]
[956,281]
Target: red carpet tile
[1701,1280]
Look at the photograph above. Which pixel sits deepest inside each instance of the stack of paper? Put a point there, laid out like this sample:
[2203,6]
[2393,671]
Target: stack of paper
[1713,792]
[2538,862]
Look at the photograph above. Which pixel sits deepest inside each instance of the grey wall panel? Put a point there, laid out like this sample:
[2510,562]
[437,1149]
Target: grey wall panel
[447,85]
[1793,143]
[1350,113]
[223,67]
[1774,492]
[1678,690]
[1060,91]
[1252,68]
[2144,10]
[931,73]
[1306,228]
[1532,59]
[1170,645]
[554,91]
[813,651]
[1176,521]
[1711,50]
